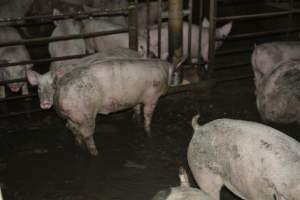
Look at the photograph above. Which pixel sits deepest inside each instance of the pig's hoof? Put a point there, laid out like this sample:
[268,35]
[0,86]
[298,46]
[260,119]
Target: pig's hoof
[94,152]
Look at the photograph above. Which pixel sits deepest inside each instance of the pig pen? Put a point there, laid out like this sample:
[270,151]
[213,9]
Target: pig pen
[39,158]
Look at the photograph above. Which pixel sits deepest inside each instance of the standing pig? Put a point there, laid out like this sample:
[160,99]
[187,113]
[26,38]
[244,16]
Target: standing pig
[266,57]
[252,160]
[108,87]
[182,192]
[221,33]
[66,47]
[46,83]
[12,54]
[277,98]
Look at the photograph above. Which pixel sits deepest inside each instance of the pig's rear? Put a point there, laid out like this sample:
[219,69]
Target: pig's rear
[254,161]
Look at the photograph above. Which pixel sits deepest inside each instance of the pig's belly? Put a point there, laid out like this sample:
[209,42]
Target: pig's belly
[115,105]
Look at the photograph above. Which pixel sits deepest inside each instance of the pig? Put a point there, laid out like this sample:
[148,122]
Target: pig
[108,87]
[182,192]
[277,98]
[252,160]
[221,33]
[120,40]
[65,47]
[12,54]
[46,82]
[266,57]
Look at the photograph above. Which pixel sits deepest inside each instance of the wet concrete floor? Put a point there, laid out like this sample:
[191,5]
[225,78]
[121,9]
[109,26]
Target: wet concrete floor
[39,159]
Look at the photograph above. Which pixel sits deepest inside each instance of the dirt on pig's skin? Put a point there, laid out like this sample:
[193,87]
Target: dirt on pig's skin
[39,159]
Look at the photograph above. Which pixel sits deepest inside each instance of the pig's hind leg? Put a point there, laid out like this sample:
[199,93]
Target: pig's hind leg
[208,181]
[149,107]
[137,115]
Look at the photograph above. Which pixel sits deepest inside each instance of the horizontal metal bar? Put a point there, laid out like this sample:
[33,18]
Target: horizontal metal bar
[259,34]
[234,78]
[13,81]
[235,65]
[13,114]
[79,15]
[244,50]
[59,38]
[18,97]
[260,15]
[43,60]
[165,14]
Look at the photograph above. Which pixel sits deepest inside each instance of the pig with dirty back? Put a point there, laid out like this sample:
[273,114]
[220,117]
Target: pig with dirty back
[268,56]
[109,87]
[277,98]
[12,54]
[252,160]
[46,82]
[182,192]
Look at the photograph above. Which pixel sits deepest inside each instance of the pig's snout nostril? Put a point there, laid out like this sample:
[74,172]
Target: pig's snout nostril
[45,105]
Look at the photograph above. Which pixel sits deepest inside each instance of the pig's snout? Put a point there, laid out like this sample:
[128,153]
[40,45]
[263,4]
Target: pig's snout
[45,105]
[14,87]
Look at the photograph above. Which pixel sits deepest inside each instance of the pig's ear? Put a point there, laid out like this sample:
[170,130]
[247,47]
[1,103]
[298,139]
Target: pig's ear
[55,13]
[59,72]
[33,77]
[205,23]
[224,31]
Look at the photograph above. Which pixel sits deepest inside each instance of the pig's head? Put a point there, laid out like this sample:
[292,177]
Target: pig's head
[45,87]
[221,33]
[69,47]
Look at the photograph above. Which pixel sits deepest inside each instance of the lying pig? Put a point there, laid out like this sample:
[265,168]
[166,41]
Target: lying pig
[66,47]
[46,83]
[12,54]
[252,160]
[182,192]
[266,57]
[277,98]
[108,87]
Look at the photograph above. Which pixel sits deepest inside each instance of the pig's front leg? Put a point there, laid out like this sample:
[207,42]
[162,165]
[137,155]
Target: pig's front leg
[73,127]
[87,130]
[2,91]
[25,89]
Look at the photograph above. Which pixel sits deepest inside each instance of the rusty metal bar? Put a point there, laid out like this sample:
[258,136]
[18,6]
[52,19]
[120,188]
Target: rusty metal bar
[243,50]
[159,28]
[59,38]
[212,35]
[79,15]
[190,30]
[259,34]
[133,27]
[18,97]
[13,81]
[148,26]
[175,35]
[200,61]
[255,16]
[43,60]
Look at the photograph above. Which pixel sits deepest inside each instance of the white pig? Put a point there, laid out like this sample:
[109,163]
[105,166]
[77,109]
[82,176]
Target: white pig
[109,87]
[66,47]
[12,54]
[252,160]
[46,82]
[182,192]
[277,98]
[266,57]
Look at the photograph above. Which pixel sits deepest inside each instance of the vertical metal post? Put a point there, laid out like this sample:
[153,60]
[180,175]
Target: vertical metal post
[148,25]
[159,28]
[212,36]
[175,35]
[133,26]
[190,29]
[290,18]
[200,32]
